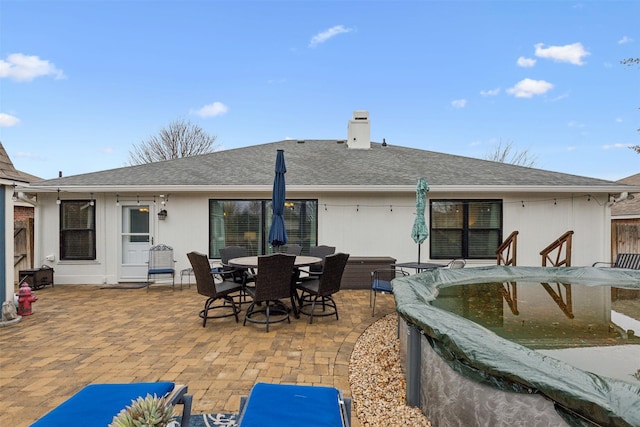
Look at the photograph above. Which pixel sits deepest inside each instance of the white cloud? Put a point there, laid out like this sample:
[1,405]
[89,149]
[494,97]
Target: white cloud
[526,62]
[459,103]
[106,150]
[624,40]
[560,97]
[26,155]
[574,124]
[490,92]
[475,143]
[211,110]
[326,35]
[618,145]
[571,53]
[7,120]
[25,68]
[528,88]
[572,148]
[618,120]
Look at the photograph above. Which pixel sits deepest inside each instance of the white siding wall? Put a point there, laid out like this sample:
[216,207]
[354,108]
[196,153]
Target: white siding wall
[362,225]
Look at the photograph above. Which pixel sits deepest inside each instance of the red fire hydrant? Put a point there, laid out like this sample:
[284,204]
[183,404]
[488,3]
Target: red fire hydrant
[25,298]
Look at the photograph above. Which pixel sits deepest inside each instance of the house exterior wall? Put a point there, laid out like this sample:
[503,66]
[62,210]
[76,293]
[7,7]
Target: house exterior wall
[363,224]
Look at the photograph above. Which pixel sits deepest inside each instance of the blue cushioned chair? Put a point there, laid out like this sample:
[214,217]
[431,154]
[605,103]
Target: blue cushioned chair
[97,404]
[381,284]
[161,263]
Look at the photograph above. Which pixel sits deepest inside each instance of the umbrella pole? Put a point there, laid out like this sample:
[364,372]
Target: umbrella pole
[419,252]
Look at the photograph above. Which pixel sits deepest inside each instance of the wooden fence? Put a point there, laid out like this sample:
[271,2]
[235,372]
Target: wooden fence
[625,237]
[22,246]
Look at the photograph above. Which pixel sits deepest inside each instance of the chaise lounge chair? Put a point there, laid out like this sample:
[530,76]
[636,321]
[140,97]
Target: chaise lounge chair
[294,405]
[97,404]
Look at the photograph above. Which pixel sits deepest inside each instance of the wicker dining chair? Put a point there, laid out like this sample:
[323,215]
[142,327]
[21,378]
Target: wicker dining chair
[293,249]
[321,290]
[207,286]
[272,284]
[244,276]
[315,270]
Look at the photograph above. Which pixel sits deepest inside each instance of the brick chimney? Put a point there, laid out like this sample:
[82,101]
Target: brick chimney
[359,130]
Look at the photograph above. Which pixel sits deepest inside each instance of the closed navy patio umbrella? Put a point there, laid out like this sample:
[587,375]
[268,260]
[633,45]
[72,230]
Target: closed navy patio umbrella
[278,232]
[419,232]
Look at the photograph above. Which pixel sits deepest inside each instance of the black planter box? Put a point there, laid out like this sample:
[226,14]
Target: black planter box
[37,277]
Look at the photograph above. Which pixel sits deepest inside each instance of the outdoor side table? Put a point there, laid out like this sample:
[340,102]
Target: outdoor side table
[419,266]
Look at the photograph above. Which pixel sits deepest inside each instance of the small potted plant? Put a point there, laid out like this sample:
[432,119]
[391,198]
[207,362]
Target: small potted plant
[151,411]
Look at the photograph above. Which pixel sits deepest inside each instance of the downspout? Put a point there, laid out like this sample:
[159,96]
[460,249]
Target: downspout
[5,219]
[608,232]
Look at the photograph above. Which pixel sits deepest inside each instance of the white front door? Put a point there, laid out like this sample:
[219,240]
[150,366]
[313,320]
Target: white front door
[136,239]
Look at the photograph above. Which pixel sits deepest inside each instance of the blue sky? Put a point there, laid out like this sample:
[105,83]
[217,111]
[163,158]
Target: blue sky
[82,81]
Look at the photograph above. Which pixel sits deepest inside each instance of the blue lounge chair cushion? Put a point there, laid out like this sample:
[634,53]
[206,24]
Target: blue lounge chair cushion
[161,271]
[382,286]
[97,404]
[292,405]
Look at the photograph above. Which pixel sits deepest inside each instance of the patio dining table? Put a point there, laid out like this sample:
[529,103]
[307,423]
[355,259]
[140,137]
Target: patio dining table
[252,261]
[300,261]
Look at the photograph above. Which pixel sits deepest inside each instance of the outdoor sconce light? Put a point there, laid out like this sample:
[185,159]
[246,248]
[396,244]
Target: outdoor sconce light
[91,201]
[162,215]
[58,199]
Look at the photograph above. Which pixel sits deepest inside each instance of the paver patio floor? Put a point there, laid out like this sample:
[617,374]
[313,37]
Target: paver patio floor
[81,334]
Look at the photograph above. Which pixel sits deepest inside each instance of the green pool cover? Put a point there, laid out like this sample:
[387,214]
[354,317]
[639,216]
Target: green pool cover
[482,355]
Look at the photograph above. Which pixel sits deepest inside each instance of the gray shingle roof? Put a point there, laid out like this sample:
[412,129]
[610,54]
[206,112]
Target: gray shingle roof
[327,163]
[9,172]
[628,207]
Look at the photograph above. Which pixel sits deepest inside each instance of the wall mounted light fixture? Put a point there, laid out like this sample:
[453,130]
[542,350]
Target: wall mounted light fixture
[91,201]
[58,199]
[162,215]
[15,193]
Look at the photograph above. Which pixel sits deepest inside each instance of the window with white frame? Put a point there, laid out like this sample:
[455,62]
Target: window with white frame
[247,223]
[470,229]
[77,230]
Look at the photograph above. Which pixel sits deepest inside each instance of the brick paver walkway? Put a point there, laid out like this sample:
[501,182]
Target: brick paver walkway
[81,334]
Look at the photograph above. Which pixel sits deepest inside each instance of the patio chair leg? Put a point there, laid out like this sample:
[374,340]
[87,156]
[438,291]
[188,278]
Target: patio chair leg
[296,312]
[235,309]
[313,306]
[267,314]
[373,311]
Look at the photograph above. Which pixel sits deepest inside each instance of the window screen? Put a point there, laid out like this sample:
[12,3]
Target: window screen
[465,228]
[77,229]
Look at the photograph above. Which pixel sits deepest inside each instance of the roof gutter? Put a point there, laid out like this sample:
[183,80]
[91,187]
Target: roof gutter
[615,188]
